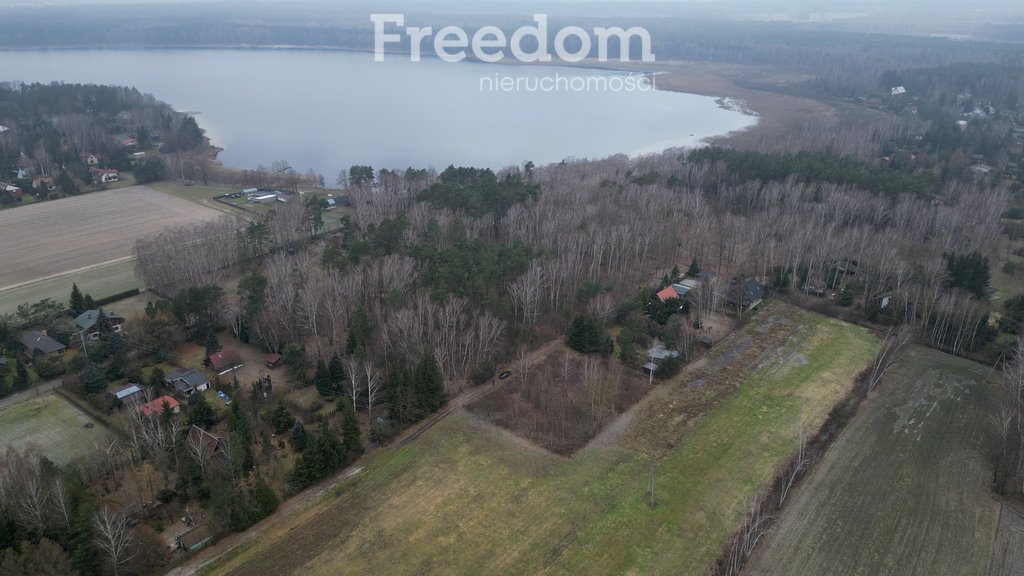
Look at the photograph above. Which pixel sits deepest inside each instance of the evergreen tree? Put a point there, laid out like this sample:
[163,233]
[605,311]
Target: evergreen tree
[282,419]
[429,384]
[103,325]
[77,301]
[212,343]
[200,413]
[322,380]
[337,371]
[21,377]
[351,435]
[586,336]
[88,303]
[118,356]
[694,268]
[402,398]
[298,436]
[156,378]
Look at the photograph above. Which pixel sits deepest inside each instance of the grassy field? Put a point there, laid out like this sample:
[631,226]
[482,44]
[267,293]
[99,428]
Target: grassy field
[905,490]
[55,426]
[56,237]
[470,498]
[100,281]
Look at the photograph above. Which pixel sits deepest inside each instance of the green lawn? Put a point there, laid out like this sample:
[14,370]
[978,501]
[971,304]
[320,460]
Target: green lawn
[469,498]
[56,427]
[905,490]
[99,281]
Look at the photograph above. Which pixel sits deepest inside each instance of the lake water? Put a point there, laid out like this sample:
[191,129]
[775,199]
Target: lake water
[326,109]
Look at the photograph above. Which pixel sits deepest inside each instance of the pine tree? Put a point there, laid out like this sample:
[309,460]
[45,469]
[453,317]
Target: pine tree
[76,302]
[429,384]
[694,268]
[103,323]
[351,435]
[337,371]
[118,356]
[322,380]
[298,436]
[212,343]
[88,303]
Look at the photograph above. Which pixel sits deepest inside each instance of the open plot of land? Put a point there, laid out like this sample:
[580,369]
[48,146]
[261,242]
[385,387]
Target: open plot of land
[467,497]
[905,490]
[61,431]
[54,238]
[563,399]
[99,281]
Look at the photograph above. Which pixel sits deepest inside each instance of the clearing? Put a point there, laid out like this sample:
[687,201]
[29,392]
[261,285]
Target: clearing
[906,489]
[63,432]
[468,497]
[60,240]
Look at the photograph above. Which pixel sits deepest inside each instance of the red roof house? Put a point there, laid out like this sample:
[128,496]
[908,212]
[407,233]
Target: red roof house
[224,360]
[156,407]
[667,294]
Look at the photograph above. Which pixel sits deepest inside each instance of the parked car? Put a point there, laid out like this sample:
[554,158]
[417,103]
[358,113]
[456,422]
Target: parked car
[504,375]
[223,396]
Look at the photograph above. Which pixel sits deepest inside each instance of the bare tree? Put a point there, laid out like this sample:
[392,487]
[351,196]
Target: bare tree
[113,537]
[893,346]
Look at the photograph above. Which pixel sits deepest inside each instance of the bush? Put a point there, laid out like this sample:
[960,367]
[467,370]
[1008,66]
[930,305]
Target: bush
[668,368]
[48,368]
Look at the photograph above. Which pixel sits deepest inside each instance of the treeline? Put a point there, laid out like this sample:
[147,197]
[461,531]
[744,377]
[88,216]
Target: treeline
[816,167]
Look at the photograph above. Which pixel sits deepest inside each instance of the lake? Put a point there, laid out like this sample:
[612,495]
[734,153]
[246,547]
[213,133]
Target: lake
[329,109]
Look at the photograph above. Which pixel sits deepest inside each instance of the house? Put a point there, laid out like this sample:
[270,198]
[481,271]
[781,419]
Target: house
[187,381]
[208,443]
[337,202]
[11,190]
[273,360]
[86,322]
[44,183]
[129,142]
[746,295]
[157,407]
[263,199]
[3,129]
[981,169]
[224,360]
[41,344]
[195,539]
[898,91]
[129,394]
[667,293]
[90,159]
[103,175]
[656,355]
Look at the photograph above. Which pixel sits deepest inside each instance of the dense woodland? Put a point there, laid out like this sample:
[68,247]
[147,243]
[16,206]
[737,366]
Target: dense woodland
[49,127]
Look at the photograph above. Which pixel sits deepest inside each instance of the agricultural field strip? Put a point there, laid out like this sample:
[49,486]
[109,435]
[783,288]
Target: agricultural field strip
[465,498]
[55,237]
[905,489]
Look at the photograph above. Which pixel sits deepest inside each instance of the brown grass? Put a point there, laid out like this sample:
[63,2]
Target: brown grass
[53,238]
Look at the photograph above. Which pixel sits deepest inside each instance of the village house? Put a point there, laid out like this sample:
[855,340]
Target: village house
[187,381]
[158,406]
[44,183]
[209,443]
[38,343]
[129,142]
[656,355]
[104,175]
[682,288]
[129,394]
[86,323]
[747,295]
[224,360]
[90,159]
[11,190]
[272,360]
